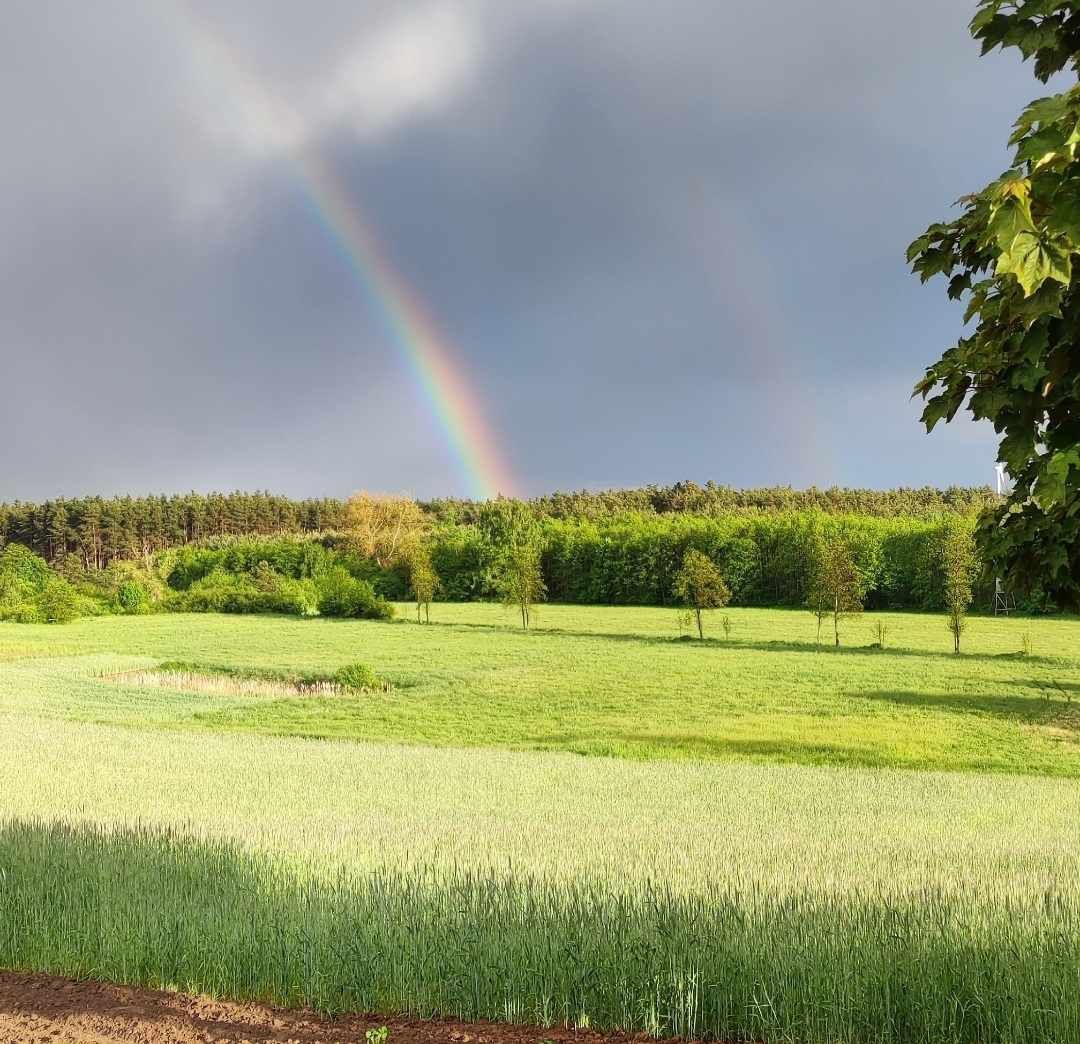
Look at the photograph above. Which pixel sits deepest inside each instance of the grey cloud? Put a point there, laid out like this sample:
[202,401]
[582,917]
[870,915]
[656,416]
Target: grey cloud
[666,240]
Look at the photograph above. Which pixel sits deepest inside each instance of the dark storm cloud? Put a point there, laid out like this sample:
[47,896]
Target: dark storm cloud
[667,240]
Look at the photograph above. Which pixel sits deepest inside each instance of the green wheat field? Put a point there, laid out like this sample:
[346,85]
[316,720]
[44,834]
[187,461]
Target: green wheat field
[599,824]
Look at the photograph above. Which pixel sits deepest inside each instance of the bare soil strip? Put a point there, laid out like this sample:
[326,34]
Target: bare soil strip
[46,1009]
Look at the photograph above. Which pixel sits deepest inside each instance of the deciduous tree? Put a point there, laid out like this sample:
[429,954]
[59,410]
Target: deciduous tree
[520,580]
[958,565]
[836,588]
[700,585]
[1010,257]
[384,525]
[423,579]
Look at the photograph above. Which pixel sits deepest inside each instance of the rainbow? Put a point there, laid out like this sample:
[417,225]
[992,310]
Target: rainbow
[429,357]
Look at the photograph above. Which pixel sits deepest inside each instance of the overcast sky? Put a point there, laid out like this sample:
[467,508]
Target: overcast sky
[666,240]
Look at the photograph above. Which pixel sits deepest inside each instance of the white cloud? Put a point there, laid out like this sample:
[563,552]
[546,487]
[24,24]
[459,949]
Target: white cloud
[418,61]
[401,66]
[251,99]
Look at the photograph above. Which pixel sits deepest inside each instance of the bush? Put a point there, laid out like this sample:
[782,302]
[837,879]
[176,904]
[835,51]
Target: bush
[341,594]
[30,592]
[288,557]
[133,598]
[58,602]
[223,592]
[19,564]
[360,678]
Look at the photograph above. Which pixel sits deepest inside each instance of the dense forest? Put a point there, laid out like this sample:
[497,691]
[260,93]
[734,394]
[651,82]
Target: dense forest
[97,531]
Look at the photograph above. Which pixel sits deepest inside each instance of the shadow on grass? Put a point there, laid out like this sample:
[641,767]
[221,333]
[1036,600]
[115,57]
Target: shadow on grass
[643,745]
[156,908]
[1026,709]
[824,649]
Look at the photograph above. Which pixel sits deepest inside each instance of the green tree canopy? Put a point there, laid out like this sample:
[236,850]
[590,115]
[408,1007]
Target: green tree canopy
[700,585]
[836,587]
[1010,256]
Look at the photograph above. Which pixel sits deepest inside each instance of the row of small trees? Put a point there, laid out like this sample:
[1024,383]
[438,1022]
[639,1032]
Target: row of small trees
[836,590]
[394,530]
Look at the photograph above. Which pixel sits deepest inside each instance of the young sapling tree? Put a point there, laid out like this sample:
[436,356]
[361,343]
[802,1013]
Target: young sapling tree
[836,588]
[700,586]
[958,564]
[423,579]
[520,580]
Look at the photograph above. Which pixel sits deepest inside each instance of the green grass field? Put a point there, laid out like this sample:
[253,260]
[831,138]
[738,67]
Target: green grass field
[599,681]
[783,843]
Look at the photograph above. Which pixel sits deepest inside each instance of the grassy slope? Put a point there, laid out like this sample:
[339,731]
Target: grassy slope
[600,681]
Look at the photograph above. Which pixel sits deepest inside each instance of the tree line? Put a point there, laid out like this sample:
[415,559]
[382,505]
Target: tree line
[389,548]
[100,530]
[689,498]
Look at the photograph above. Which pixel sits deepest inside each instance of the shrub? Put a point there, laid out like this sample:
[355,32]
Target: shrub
[30,592]
[58,602]
[224,592]
[133,598]
[291,558]
[20,564]
[359,677]
[341,594]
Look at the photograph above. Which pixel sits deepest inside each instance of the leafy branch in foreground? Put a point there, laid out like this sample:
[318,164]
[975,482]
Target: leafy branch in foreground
[1010,257]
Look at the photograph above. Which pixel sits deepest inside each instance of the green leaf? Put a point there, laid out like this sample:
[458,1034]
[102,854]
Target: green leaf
[1035,343]
[1009,219]
[1046,301]
[919,246]
[1042,111]
[1035,146]
[1034,260]
[959,285]
[1053,481]
[987,403]
[1063,217]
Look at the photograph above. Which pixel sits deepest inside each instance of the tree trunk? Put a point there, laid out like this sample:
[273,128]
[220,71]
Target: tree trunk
[700,631]
[836,621]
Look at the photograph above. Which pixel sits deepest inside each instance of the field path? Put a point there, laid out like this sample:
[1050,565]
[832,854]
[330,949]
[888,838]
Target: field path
[46,1009]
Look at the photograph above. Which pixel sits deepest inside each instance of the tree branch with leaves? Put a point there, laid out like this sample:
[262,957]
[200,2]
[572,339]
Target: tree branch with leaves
[1010,257]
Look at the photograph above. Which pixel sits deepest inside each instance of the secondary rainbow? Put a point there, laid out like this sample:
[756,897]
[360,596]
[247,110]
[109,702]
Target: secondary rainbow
[430,358]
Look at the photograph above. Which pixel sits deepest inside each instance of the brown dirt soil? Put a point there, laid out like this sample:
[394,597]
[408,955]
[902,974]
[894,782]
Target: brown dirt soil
[46,1009]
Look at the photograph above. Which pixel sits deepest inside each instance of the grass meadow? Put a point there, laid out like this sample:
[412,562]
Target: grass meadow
[765,841]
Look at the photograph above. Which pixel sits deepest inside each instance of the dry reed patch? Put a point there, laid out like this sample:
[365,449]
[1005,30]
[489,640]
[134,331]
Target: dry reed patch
[216,684]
